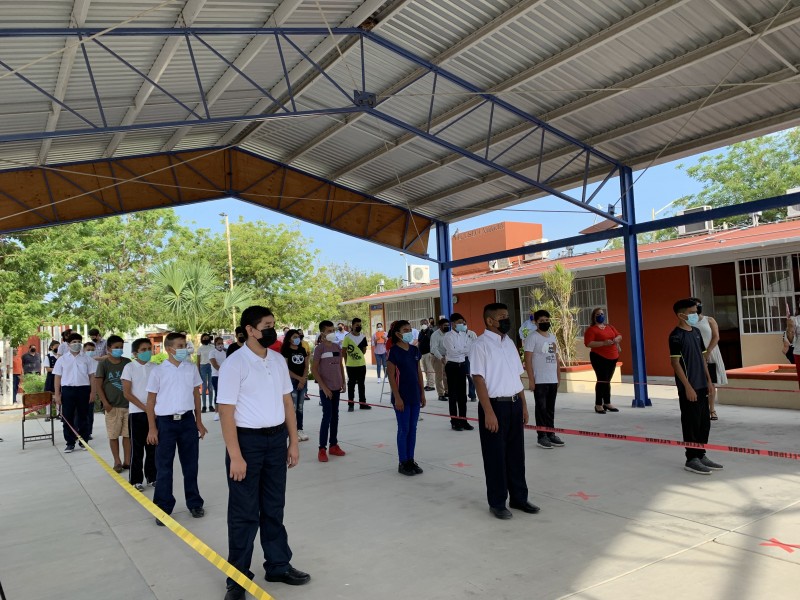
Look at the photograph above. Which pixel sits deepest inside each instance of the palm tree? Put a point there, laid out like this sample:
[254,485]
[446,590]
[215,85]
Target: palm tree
[195,298]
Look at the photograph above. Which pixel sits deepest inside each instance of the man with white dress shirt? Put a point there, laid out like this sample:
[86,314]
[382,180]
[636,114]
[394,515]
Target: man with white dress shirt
[173,416]
[502,414]
[457,344]
[260,431]
[73,373]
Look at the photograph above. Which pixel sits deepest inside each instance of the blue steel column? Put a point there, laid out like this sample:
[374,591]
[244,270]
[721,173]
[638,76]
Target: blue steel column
[633,283]
[445,273]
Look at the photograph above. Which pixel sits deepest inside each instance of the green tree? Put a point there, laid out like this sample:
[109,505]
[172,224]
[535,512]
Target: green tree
[350,282]
[555,296]
[22,290]
[195,298]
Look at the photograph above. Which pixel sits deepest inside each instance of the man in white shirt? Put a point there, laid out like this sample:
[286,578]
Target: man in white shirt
[502,414]
[541,363]
[258,424]
[340,333]
[437,350]
[174,422]
[100,345]
[216,358]
[204,366]
[135,376]
[456,347]
[73,373]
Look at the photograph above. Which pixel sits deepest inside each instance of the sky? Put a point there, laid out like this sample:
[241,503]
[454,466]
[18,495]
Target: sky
[655,189]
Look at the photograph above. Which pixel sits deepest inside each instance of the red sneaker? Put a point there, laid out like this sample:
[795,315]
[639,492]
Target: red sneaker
[322,455]
[336,451]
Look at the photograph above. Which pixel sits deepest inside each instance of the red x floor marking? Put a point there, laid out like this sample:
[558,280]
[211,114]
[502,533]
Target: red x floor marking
[461,465]
[583,495]
[790,548]
[379,445]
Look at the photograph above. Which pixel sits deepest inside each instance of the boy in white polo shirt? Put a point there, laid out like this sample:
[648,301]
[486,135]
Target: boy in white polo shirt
[258,423]
[173,415]
[72,381]
[135,376]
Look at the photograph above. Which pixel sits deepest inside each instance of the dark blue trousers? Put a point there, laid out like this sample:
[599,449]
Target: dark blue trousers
[504,454]
[407,430]
[74,408]
[184,436]
[330,419]
[257,502]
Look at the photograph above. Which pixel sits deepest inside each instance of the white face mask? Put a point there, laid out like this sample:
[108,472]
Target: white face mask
[331,337]
[424,326]
[75,347]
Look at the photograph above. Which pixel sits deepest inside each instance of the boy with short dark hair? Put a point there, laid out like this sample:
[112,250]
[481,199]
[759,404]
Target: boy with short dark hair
[541,363]
[328,370]
[354,346]
[72,375]
[134,385]
[687,354]
[173,415]
[108,386]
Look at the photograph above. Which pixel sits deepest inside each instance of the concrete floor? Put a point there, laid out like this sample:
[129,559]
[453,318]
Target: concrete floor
[647,530]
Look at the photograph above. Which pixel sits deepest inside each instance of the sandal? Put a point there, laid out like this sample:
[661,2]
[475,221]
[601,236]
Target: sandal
[118,468]
[601,410]
[714,415]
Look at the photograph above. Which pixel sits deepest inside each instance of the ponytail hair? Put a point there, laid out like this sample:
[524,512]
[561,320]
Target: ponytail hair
[395,328]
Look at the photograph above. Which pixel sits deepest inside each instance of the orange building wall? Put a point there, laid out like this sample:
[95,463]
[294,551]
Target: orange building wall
[661,288]
[492,238]
[470,305]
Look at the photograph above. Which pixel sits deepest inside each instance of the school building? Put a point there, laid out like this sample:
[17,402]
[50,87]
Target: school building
[745,278]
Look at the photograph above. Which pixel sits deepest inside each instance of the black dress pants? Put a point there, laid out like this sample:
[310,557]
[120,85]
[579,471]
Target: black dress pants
[504,454]
[695,420]
[457,391]
[143,455]
[356,377]
[544,397]
[604,370]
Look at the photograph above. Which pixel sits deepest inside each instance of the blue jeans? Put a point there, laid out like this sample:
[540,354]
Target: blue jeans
[207,389]
[330,419]
[407,431]
[380,361]
[215,384]
[298,398]
[184,436]
[257,502]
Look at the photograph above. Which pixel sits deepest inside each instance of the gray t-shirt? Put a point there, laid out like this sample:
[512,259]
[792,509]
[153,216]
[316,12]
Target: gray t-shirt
[544,349]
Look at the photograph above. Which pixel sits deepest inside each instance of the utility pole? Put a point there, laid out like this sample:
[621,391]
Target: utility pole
[230,261]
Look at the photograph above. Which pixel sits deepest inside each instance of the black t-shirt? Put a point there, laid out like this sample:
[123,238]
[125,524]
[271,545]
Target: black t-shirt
[424,341]
[231,349]
[689,347]
[296,359]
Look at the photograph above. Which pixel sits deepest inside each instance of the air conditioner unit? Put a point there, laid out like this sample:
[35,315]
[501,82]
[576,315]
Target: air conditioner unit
[419,274]
[499,264]
[793,211]
[695,228]
[536,255]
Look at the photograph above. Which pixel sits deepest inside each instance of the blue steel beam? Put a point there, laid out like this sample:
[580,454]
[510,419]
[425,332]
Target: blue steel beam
[445,271]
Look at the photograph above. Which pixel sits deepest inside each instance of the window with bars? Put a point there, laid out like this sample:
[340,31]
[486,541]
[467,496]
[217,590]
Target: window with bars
[766,286]
[412,311]
[588,293]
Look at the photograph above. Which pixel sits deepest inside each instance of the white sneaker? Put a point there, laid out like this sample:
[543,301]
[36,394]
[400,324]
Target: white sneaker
[302,436]
[216,416]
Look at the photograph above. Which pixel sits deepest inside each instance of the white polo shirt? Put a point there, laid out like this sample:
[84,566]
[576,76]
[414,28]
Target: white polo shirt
[496,360]
[204,353]
[219,356]
[174,387]
[457,346]
[138,374]
[75,370]
[255,386]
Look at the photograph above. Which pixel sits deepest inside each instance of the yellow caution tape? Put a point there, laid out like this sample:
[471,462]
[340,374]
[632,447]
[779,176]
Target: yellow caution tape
[184,534]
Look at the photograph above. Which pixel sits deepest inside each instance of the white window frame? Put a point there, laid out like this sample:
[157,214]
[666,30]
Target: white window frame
[412,311]
[790,294]
[585,311]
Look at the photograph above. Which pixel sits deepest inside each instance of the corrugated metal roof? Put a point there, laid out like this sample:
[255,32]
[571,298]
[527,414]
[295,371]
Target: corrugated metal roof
[624,76]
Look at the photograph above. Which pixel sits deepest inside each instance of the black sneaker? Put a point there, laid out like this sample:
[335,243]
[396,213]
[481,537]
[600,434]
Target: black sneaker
[442,398]
[544,442]
[159,523]
[695,466]
[203,409]
[405,469]
[707,462]
[198,513]
[416,467]
[467,426]
[555,440]
[69,449]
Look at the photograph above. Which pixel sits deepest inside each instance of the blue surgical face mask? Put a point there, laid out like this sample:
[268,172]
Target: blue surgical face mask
[181,354]
[600,319]
[692,319]
[116,352]
[461,328]
[408,337]
[145,356]
[296,341]
[89,353]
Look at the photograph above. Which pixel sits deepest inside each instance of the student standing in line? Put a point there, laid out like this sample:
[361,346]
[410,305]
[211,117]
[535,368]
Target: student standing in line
[687,354]
[89,350]
[51,358]
[456,346]
[340,333]
[204,367]
[258,425]
[439,360]
[63,347]
[135,376]
[31,362]
[309,352]
[234,346]
[100,345]
[173,416]
[353,347]
[541,363]
[710,331]
[379,339]
[328,371]
[792,331]
[108,385]
[72,381]
[424,345]
[502,414]
[603,341]
[297,362]
[215,359]
[408,393]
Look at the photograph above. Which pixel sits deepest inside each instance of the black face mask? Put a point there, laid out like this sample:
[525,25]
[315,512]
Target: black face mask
[446,328]
[504,326]
[341,328]
[240,338]
[544,326]
[699,309]
[357,329]
[205,342]
[268,337]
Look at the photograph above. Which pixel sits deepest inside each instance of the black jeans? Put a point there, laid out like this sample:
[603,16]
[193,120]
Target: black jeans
[457,391]
[257,502]
[604,370]
[184,436]
[504,454]
[74,409]
[695,421]
[142,453]
[544,398]
[356,376]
